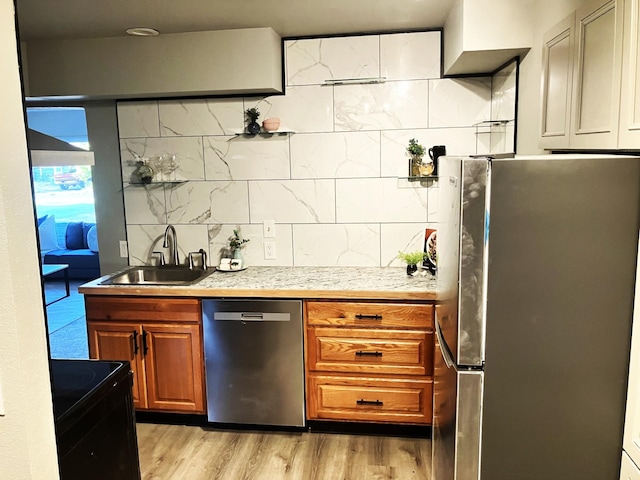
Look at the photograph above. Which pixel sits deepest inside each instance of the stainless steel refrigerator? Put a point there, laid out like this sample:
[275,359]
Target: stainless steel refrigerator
[538,255]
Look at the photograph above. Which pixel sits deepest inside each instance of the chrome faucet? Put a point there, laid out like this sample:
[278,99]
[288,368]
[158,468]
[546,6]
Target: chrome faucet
[174,243]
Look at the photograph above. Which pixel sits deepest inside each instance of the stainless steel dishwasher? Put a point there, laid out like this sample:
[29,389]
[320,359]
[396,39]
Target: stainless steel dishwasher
[254,361]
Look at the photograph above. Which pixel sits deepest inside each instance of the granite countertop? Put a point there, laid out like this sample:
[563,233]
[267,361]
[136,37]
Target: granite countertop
[374,283]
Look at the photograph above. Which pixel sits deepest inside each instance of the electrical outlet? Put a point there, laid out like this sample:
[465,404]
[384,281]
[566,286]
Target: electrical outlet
[269,250]
[124,249]
[269,229]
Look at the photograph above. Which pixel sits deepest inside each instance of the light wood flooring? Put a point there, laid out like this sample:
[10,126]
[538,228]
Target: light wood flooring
[175,452]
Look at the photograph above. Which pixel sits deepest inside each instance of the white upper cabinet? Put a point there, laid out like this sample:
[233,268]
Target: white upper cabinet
[480,37]
[557,76]
[313,61]
[581,93]
[596,79]
[629,132]
[403,56]
[245,61]
[410,56]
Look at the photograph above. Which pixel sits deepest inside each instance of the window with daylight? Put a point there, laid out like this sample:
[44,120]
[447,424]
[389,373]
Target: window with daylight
[62,174]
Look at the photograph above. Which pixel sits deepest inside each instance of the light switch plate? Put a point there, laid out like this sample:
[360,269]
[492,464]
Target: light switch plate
[124,249]
[269,229]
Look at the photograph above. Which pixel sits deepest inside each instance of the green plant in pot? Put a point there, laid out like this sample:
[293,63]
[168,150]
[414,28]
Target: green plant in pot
[237,243]
[252,114]
[412,259]
[415,152]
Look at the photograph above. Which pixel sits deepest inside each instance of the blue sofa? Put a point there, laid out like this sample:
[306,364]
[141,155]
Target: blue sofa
[75,244]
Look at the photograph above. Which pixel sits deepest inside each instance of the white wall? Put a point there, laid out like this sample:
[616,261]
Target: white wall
[27,441]
[332,187]
[547,13]
[102,127]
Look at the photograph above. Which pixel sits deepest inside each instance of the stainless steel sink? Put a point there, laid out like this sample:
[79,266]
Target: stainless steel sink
[161,275]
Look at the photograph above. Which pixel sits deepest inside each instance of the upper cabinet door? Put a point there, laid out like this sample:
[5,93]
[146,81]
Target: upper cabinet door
[596,79]
[557,75]
[629,134]
[315,60]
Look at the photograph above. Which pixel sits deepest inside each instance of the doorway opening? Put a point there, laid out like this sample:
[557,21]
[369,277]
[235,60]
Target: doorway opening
[65,208]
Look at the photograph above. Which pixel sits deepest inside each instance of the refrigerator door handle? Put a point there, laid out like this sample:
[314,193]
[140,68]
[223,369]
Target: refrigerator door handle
[446,354]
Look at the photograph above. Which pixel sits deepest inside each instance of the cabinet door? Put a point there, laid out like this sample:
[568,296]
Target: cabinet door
[120,341]
[628,470]
[631,440]
[174,367]
[629,134]
[557,76]
[312,61]
[596,79]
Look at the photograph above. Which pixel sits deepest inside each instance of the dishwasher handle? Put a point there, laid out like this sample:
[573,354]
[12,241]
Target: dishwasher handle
[252,316]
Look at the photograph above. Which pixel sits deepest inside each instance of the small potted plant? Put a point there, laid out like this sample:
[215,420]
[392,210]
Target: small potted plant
[252,115]
[415,152]
[412,259]
[237,243]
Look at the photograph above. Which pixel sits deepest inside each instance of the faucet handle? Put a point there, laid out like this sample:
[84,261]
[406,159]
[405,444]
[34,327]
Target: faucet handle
[203,256]
[160,257]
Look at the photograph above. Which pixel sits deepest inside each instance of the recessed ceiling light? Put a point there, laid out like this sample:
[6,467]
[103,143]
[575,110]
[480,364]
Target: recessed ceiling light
[142,31]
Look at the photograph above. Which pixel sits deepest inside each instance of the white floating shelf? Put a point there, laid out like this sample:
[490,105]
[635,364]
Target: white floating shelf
[265,133]
[355,81]
[418,182]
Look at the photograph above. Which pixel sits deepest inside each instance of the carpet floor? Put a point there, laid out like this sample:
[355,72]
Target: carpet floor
[66,320]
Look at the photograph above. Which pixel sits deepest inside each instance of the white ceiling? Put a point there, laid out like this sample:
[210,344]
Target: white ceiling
[39,19]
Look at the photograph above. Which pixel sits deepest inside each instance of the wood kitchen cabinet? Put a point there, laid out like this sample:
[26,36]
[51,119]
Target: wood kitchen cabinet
[161,338]
[369,362]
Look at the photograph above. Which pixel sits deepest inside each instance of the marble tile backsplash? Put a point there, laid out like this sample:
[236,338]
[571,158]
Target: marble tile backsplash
[332,186]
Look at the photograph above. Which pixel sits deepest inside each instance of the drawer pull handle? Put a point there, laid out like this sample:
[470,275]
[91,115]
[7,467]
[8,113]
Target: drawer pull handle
[362,316]
[362,353]
[369,402]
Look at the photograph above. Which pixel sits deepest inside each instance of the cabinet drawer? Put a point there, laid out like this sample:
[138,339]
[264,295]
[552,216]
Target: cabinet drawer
[402,352]
[369,399]
[142,308]
[360,314]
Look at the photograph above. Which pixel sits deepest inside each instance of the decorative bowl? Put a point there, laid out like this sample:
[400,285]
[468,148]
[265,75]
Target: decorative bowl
[271,124]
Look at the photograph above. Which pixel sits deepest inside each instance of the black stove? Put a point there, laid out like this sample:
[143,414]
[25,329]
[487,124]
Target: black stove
[73,380]
[94,419]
